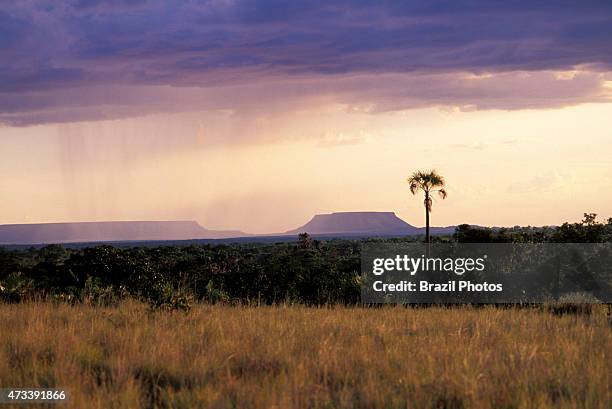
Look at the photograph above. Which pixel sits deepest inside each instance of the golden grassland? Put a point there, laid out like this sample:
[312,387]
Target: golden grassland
[300,357]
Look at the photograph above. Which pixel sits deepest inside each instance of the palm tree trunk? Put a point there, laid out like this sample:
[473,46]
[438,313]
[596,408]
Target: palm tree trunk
[427,238]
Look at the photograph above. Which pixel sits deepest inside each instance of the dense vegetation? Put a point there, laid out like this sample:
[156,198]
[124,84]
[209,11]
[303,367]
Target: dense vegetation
[307,271]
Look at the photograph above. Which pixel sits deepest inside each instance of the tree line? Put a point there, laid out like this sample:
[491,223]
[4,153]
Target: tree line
[307,271]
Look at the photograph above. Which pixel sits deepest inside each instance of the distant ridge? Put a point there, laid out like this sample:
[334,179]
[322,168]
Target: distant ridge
[364,223]
[334,224]
[108,231]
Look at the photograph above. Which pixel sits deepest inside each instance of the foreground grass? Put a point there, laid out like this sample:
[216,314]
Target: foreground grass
[297,357]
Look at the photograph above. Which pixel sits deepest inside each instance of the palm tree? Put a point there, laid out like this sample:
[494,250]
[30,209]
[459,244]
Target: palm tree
[429,182]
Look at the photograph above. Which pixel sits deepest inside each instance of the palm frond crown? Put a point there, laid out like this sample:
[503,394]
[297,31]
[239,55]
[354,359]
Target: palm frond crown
[428,181]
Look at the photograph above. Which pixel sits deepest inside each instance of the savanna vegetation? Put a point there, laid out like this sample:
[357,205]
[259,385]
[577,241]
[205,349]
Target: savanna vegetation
[307,272]
[280,326]
[282,356]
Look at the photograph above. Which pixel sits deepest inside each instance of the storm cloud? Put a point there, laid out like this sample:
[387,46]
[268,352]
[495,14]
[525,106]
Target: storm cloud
[87,59]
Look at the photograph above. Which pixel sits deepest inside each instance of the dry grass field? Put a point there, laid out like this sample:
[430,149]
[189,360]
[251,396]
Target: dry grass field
[298,357]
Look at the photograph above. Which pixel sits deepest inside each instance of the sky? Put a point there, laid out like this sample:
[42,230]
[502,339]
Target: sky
[256,115]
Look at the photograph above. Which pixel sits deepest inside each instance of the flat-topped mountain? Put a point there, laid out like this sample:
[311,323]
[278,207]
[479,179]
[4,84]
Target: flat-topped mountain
[367,223]
[334,224]
[108,231]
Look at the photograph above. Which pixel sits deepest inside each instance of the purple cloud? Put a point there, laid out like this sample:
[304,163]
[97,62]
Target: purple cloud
[49,49]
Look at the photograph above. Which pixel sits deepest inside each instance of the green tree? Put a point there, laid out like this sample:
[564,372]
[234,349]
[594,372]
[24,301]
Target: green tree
[430,183]
[589,230]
